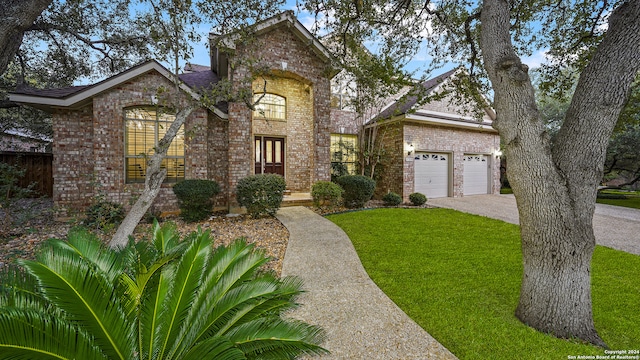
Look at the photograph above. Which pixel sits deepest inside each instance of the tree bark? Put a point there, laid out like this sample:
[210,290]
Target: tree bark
[555,189]
[153,181]
[15,18]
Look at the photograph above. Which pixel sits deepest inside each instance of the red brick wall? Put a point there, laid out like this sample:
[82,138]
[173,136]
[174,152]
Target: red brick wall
[73,159]
[218,160]
[390,171]
[92,140]
[397,173]
[457,142]
[308,132]
[345,120]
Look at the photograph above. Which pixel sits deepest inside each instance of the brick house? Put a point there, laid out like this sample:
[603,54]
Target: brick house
[16,140]
[101,130]
[440,148]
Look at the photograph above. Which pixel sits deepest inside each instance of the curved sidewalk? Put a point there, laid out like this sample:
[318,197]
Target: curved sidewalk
[360,320]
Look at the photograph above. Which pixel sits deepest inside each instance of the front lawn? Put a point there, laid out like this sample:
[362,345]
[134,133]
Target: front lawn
[458,276]
[629,199]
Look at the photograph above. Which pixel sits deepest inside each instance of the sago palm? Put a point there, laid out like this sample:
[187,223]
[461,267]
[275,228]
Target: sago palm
[163,299]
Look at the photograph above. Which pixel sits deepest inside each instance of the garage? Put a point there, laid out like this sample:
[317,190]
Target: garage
[476,174]
[431,174]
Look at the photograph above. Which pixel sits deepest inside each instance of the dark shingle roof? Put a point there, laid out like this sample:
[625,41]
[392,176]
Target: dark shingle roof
[405,103]
[52,93]
[203,80]
[200,78]
[195,67]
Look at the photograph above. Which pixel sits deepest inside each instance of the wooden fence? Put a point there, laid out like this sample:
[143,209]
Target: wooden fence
[39,168]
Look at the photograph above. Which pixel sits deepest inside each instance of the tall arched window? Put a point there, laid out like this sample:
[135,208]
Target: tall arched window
[144,127]
[270,106]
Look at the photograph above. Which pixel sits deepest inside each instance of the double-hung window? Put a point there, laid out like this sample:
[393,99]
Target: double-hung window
[144,127]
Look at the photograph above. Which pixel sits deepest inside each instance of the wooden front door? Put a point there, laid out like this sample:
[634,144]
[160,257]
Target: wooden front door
[269,155]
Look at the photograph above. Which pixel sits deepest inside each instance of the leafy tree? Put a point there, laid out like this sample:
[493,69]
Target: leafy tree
[623,157]
[49,44]
[163,299]
[554,183]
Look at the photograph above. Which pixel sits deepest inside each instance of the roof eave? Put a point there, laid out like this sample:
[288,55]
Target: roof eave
[85,96]
[451,121]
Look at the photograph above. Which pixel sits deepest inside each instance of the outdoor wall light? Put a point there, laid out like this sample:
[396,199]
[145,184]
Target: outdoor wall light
[497,153]
[410,149]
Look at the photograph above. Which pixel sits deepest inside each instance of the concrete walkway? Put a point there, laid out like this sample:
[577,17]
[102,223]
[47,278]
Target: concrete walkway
[614,226]
[360,320]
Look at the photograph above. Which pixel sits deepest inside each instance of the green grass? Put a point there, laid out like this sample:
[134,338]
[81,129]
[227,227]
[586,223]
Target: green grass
[458,276]
[629,199]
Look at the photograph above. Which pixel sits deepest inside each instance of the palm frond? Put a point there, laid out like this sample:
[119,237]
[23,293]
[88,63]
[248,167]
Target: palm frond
[76,286]
[214,348]
[27,334]
[188,274]
[275,338]
[89,247]
[166,238]
[18,289]
[150,324]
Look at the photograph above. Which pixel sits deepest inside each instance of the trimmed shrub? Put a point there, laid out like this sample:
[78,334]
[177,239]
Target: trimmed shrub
[104,215]
[417,199]
[195,198]
[326,195]
[392,199]
[358,190]
[261,194]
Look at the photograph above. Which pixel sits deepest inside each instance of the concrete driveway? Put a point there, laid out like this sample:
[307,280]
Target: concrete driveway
[614,226]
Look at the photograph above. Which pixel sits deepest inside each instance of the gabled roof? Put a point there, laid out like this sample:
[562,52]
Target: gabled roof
[286,18]
[402,105]
[407,108]
[78,96]
[26,134]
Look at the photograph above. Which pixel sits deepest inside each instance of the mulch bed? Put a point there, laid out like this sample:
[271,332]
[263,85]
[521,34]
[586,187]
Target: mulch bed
[37,224]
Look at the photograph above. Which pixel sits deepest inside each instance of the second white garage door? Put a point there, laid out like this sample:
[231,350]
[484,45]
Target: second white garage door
[431,174]
[476,174]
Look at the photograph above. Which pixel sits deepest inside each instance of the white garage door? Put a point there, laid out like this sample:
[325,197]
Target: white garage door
[476,174]
[431,174]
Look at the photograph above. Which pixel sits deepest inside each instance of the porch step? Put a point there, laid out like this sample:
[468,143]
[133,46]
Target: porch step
[297,199]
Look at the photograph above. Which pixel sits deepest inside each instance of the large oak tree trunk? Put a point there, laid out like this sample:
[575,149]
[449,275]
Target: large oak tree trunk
[16,16]
[555,186]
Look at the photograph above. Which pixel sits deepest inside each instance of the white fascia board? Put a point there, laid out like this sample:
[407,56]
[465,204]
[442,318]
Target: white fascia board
[450,121]
[449,116]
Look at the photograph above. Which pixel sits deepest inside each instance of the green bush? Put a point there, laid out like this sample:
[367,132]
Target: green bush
[195,198]
[417,199]
[261,194]
[104,215]
[326,195]
[392,199]
[358,190]
[167,298]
